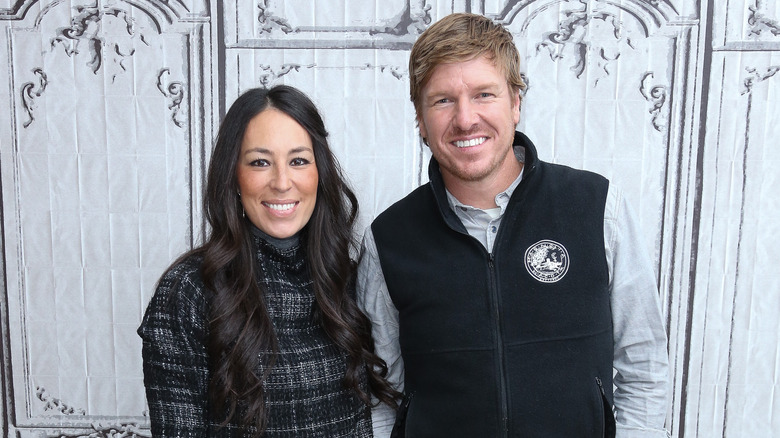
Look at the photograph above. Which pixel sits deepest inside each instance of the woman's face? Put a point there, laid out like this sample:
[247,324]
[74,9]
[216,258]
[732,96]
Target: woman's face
[277,175]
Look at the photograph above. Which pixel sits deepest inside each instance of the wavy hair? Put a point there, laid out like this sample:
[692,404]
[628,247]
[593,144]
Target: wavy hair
[462,37]
[240,329]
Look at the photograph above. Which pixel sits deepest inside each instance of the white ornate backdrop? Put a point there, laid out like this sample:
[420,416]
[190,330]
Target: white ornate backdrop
[111,107]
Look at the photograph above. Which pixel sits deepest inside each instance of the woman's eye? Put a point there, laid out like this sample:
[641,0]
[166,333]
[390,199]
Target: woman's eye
[299,161]
[259,163]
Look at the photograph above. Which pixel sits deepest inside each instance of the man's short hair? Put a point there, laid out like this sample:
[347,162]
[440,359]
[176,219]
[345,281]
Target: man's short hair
[462,37]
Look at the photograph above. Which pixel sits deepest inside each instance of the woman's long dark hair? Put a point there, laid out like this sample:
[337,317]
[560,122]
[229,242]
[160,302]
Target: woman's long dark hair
[240,329]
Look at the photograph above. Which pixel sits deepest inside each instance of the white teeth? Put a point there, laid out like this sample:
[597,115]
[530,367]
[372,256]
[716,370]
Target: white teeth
[281,207]
[469,143]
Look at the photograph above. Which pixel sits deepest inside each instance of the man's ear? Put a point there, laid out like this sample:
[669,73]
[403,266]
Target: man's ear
[516,107]
[423,131]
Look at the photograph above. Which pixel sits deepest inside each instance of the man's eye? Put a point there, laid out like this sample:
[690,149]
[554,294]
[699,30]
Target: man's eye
[299,162]
[485,95]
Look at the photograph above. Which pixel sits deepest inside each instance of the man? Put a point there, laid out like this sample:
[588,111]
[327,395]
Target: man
[505,291]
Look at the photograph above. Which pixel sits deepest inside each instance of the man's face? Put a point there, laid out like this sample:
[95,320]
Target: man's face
[468,115]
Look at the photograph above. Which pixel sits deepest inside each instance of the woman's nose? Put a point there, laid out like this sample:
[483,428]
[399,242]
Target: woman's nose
[281,179]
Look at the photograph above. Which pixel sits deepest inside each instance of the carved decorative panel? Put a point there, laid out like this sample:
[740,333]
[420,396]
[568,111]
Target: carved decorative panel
[100,175]
[346,24]
[747,24]
[111,107]
[734,362]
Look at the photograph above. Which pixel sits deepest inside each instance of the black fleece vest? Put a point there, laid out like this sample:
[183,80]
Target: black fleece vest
[514,343]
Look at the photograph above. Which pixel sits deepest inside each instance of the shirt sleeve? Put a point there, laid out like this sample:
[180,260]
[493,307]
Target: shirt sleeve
[374,299]
[175,362]
[640,353]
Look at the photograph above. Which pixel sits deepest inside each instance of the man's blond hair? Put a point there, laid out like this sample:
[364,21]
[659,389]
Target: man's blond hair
[462,37]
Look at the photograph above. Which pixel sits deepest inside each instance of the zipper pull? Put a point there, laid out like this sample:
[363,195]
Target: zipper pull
[601,386]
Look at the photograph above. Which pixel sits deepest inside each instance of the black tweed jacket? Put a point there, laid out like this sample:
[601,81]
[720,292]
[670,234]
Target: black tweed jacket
[304,392]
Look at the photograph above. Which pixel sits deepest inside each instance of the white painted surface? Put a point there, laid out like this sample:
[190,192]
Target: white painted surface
[102,155]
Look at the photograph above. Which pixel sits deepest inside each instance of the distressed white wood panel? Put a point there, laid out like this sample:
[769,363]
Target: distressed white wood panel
[735,325]
[100,163]
[735,358]
[631,111]
[306,24]
[743,24]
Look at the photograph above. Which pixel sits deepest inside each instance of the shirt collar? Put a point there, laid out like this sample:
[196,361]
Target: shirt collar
[502,199]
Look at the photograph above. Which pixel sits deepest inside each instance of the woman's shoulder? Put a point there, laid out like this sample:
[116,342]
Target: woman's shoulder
[180,289]
[186,270]
[178,313]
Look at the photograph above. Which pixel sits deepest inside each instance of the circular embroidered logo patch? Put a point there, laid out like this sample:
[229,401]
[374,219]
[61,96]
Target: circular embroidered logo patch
[547,261]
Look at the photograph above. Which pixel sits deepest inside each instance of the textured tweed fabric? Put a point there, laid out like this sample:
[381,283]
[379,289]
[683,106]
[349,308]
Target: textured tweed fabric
[304,392]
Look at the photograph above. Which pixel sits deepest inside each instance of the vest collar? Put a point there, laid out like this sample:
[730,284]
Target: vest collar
[440,194]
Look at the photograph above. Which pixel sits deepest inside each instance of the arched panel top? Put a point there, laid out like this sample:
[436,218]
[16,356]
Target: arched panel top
[169,11]
[17,11]
[650,14]
[160,12]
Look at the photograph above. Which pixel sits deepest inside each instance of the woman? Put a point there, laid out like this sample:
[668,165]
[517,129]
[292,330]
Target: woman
[256,333]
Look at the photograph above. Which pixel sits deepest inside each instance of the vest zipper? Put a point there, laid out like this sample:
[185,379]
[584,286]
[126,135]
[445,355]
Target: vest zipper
[608,421]
[603,413]
[496,298]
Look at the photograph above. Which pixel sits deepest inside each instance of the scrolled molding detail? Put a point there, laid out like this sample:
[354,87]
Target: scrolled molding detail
[174,92]
[122,58]
[651,14]
[573,30]
[270,22]
[526,81]
[55,404]
[755,76]
[270,74]
[17,10]
[394,71]
[84,30]
[98,430]
[31,91]
[408,22]
[759,23]
[656,95]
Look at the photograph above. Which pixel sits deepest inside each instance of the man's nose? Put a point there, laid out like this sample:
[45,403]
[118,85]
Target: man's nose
[466,115]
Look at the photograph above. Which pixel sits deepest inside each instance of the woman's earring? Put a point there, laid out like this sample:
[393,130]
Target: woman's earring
[243,212]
